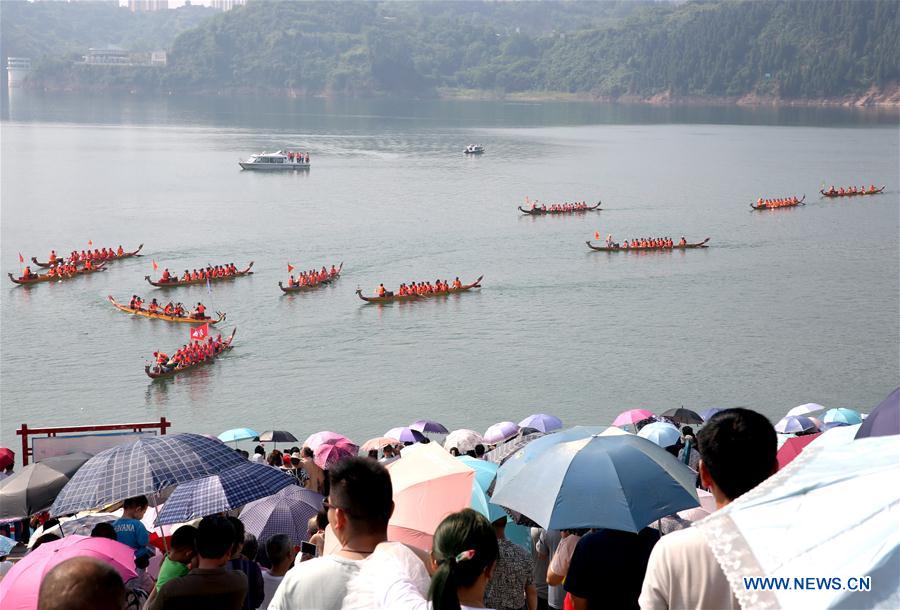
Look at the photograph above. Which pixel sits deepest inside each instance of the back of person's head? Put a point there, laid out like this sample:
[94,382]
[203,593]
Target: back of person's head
[464,546]
[215,537]
[238,540]
[137,502]
[251,546]
[82,583]
[275,458]
[479,450]
[245,454]
[454,451]
[260,450]
[43,539]
[322,519]
[363,489]
[738,448]
[687,431]
[278,548]
[307,452]
[104,530]
[184,538]
[373,454]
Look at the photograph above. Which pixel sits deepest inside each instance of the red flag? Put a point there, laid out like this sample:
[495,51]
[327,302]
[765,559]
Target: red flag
[597,235]
[91,243]
[290,267]
[155,266]
[198,333]
[21,259]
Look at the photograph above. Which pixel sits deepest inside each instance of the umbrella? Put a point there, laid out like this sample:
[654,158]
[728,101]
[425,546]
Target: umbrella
[792,448]
[222,492]
[428,485]
[405,435]
[143,467]
[7,458]
[314,440]
[661,433]
[502,452]
[683,416]
[427,425]
[542,422]
[378,443]
[600,482]
[485,472]
[286,512]
[835,437]
[792,424]
[276,436]
[884,419]
[842,416]
[707,413]
[806,409]
[238,434]
[6,545]
[500,432]
[19,588]
[831,512]
[463,439]
[35,486]
[334,450]
[631,417]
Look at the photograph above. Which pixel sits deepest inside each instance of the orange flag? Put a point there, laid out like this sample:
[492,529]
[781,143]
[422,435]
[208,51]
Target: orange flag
[198,333]
[21,258]
[597,235]
[290,267]
[155,266]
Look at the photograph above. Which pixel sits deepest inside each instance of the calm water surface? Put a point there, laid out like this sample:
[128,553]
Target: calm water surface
[785,307]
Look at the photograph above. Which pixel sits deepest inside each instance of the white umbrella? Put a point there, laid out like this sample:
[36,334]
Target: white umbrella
[835,437]
[806,409]
[831,513]
[464,440]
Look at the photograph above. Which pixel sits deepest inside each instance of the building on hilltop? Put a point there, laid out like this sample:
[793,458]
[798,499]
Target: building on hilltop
[17,71]
[227,5]
[107,57]
[137,6]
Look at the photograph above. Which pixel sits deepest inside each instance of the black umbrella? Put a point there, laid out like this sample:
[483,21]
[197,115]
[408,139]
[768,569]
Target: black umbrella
[683,416]
[276,436]
[34,488]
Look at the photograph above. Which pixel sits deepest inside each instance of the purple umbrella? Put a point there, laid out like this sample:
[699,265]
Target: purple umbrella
[884,420]
[286,512]
[542,422]
[427,425]
[500,432]
[794,423]
[405,435]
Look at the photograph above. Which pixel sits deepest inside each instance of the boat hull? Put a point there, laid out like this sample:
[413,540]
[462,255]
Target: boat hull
[419,297]
[857,194]
[701,244]
[166,318]
[539,212]
[273,167]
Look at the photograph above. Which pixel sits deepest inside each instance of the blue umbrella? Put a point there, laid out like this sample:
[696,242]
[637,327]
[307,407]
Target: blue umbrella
[485,472]
[842,415]
[614,482]
[222,492]
[794,423]
[519,459]
[238,434]
[6,545]
[541,422]
[286,512]
[661,433]
[144,467]
[884,420]
[707,413]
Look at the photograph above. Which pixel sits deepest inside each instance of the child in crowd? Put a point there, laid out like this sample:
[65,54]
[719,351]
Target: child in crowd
[130,530]
[181,554]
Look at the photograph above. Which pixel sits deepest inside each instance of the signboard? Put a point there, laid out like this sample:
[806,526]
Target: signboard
[51,446]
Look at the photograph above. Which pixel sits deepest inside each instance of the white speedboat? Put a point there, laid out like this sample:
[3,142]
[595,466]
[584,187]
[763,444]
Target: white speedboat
[280,160]
[474,149]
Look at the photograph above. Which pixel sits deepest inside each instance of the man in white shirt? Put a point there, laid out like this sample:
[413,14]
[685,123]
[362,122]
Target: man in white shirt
[737,448]
[359,507]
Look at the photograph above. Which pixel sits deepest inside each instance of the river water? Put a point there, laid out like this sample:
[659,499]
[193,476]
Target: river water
[785,307]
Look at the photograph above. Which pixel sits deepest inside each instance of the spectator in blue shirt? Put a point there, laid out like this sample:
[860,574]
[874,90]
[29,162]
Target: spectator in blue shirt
[130,530]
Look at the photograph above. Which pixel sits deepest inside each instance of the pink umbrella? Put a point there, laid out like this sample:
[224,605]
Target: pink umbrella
[19,588]
[318,438]
[429,484]
[378,443]
[632,417]
[501,432]
[332,450]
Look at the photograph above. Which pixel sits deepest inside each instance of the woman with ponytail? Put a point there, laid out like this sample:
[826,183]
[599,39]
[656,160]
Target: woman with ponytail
[464,553]
[462,561]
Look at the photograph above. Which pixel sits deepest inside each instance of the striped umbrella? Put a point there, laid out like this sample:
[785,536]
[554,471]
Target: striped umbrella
[794,423]
[428,426]
[286,512]
[222,492]
[144,467]
[405,435]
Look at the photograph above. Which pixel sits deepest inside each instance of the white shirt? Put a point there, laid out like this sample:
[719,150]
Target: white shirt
[393,578]
[683,573]
[317,584]
[270,585]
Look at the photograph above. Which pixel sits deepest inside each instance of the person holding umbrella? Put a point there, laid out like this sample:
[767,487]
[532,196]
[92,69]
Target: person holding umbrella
[738,449]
